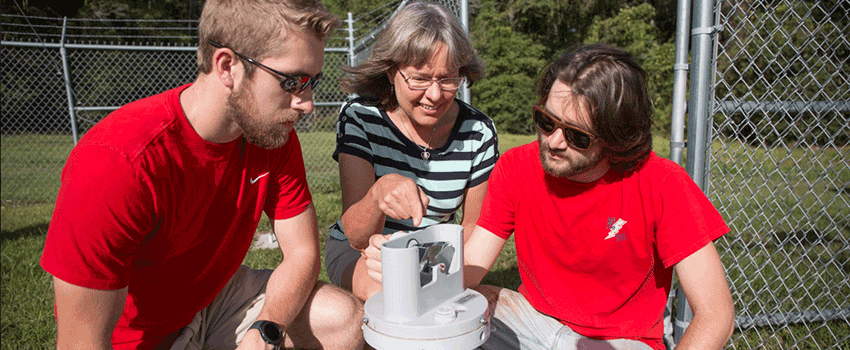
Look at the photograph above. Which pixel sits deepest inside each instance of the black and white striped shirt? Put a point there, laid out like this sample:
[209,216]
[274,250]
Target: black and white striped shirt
[466,159]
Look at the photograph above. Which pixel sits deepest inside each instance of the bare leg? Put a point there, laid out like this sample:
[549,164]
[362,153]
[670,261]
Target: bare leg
[362,285]
[331,319]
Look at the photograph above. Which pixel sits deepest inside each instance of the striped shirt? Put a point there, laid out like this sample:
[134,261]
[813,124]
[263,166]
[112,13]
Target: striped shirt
[463,162]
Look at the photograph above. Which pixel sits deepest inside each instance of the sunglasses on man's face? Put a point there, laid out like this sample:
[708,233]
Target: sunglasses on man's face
[548,123]
[293,84]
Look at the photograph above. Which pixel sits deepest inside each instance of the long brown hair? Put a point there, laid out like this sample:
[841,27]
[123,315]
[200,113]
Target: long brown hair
[615,88]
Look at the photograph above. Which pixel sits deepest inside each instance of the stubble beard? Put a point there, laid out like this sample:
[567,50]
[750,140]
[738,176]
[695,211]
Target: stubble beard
[566,166]
[260,130]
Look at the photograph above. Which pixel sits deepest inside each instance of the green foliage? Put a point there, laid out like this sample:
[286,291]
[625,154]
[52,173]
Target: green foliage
[518,38]
[789,52]
[144,9]
[632,29]
[554,24]
[513,62]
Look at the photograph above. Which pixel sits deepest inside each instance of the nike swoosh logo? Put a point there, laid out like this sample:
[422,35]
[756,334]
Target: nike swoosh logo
[258,178]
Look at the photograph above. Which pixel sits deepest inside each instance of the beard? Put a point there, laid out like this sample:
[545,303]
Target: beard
[266,131]
[568,164]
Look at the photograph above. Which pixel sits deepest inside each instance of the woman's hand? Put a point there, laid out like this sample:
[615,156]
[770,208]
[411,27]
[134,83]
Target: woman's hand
[399,197]
[372,254]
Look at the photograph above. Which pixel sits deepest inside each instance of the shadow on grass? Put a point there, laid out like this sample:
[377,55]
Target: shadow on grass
[29,231]
[503,277]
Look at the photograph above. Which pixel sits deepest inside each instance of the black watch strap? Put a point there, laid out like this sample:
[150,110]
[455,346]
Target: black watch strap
[270,331]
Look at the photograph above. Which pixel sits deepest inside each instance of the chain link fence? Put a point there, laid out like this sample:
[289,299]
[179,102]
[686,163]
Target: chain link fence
[779,169]
[61,76]
[778,166]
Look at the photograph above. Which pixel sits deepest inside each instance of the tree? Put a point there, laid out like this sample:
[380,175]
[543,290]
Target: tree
[554,24]
[513,63]
[787,52]
[633,30]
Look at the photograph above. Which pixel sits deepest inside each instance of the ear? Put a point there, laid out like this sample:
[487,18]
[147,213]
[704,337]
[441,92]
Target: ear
[391,75]
[224,66]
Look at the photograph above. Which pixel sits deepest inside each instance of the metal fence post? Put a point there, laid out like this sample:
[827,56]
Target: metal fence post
[464,19]
[680,80]
[67,77]
[351,59]
[698,123]
[677,125]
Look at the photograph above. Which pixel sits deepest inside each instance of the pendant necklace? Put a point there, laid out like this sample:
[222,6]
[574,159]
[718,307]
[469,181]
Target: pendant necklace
[425,154]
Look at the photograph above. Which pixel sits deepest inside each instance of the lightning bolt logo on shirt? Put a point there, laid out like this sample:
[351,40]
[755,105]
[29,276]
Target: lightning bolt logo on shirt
[614,227]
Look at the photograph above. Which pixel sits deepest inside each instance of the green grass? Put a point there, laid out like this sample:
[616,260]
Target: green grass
[27,294]
[32,165]
[787,250]
[763,254]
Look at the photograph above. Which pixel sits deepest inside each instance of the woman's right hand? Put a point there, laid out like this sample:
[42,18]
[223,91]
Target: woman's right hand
[399,197]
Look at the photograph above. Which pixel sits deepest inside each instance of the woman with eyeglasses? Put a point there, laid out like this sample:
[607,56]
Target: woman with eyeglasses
[410,153]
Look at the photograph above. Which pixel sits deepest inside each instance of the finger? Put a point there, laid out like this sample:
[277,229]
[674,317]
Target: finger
[421,209]
[376,276]
[373,265]
[389,210]
[379,239]
[372,253]
[398,197]
[373,250]
[373,270]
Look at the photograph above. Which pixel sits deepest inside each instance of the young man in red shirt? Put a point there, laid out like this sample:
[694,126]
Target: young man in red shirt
[600,222]
[160,201]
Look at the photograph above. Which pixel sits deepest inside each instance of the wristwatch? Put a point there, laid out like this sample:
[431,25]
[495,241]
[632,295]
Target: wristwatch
[270,332]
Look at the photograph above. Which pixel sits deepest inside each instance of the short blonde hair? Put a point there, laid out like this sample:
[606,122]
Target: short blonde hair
[252,27]
[410,38]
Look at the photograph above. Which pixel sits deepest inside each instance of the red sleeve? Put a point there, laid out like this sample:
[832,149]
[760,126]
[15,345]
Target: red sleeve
[688,220]
[288,193]
[499,207]
[103,212]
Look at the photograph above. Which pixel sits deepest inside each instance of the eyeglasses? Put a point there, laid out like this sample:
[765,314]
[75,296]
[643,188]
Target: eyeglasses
[445,84]
[548,123]
[293,84]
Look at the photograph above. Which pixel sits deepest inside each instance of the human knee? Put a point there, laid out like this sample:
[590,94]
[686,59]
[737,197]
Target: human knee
[340,308]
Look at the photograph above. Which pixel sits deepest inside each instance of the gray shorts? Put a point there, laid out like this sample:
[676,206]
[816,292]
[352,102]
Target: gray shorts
[340,259]
[518,325]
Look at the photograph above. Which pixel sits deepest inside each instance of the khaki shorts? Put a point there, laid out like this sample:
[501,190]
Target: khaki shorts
[223,323]
[518,325]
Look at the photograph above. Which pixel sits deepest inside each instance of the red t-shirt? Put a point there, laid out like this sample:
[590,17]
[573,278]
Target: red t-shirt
[599,256]
[145,202]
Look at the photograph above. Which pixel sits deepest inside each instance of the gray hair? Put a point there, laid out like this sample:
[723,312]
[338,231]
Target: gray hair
[410,39]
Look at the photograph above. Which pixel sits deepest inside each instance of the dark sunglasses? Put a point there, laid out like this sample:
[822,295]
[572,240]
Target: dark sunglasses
[548,123]
[292,84]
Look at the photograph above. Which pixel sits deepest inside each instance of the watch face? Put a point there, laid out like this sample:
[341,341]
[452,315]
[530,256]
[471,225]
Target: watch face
[272,332]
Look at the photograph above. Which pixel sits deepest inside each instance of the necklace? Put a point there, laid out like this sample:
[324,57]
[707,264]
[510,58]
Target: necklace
[425,154]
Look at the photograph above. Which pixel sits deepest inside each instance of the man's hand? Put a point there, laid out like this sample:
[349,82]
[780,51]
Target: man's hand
[399,197]
[372,253]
